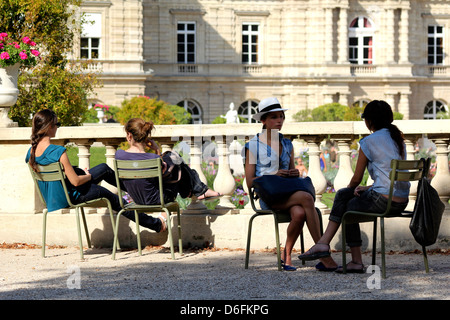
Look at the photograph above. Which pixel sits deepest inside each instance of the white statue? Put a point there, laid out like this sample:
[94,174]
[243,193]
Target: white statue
[232,115]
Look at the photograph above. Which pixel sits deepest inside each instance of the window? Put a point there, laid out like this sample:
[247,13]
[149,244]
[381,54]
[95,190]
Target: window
[247,109]
[186,42]
[435,45]
[433,108]
[361,41]
[194,109]
[91,36]
[250,38]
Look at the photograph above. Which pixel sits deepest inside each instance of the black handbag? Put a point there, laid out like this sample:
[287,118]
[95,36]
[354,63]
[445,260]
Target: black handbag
[272,188]
[427,214]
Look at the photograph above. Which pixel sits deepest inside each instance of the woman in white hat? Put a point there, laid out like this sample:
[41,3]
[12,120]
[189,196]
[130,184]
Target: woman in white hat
[270,153]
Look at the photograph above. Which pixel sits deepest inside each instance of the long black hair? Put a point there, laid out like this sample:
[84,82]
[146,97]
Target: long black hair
[379,115]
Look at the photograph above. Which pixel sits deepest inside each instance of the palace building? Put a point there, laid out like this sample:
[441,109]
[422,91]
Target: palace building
[205,54]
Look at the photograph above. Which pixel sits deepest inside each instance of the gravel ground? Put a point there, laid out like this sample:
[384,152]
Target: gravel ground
[208,275]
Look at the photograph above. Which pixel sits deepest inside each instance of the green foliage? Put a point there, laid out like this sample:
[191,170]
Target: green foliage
[52,83]
[158,111]
[62,90]
[180,114]
[329,112]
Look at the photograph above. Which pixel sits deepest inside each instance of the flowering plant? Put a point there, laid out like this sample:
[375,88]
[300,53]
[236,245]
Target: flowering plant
[104,107]
[12,52]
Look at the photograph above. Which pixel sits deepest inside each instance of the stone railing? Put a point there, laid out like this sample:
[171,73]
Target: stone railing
[17,190]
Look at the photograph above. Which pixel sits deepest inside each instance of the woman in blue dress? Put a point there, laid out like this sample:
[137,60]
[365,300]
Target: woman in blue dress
[270,153]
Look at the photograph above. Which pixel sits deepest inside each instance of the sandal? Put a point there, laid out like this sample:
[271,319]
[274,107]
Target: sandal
[311,255]
[163,222]
[358,270]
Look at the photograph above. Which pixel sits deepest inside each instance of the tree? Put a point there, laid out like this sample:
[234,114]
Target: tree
[157,111]
[54,83]
[327,112]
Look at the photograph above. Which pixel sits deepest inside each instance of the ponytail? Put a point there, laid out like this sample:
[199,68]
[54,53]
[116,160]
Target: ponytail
[41,123]
[398,138]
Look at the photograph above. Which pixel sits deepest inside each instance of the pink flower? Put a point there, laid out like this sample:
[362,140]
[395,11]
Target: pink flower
[23,55]
[4,56]
[16,45]
[26,40]
[35,53]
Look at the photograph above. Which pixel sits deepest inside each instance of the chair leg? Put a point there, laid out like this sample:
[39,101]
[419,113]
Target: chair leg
[277,239]
[249,236]
[374,242]
[138,233]
[180,239]
[425,259]
[116,238]
[86,231]
[169,229]
[302,246]
[80,240]
[383,257]
[344,262]
[44,231]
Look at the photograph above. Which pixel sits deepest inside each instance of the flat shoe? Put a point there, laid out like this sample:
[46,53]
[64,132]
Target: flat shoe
[307,256]
[288,267]
[359,270]
[321,267]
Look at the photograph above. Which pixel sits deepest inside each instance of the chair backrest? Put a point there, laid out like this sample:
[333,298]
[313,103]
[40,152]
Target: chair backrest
[139,169]
[408,171]
[49,173]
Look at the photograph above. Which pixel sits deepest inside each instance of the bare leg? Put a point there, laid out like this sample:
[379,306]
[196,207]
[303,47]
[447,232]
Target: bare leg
[293,231]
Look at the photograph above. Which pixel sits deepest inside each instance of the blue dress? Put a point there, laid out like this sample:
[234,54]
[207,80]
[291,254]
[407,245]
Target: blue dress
[267,159]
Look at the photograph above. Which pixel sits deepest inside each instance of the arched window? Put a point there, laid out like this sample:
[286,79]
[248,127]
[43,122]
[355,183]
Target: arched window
[247,109]
[433,108]
[194,109]
[361,41]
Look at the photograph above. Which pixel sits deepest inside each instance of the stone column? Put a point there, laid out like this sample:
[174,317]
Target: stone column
[442,178]
[389,40]
[224,182]
[328,35]
[345,172]
[196,162]
[404,43]
[84,154]
[314,172]
[343,36]
[403,105]
[410,152]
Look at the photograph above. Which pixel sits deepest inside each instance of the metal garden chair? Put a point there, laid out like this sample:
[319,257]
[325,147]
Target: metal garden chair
[279,217]
[145,169]
[402,170]
[55,172]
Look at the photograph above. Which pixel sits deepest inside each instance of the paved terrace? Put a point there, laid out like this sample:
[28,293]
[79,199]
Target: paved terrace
[224,227]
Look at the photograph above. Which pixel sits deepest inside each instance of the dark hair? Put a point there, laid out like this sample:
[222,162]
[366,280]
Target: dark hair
[379,115]
[41,123]
[139,129]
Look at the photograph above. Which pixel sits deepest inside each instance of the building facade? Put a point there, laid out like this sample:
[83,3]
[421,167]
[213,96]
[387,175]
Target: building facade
[206,54]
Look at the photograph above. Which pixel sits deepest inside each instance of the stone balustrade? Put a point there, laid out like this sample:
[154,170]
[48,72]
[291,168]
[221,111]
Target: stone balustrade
[17,194]
[311,134]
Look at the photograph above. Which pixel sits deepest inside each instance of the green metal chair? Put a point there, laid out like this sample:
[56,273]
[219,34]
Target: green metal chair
[402,170]
[279,217]
[144,169]
[55,172]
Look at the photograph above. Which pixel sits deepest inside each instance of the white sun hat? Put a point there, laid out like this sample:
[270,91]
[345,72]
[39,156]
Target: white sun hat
[268,105]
